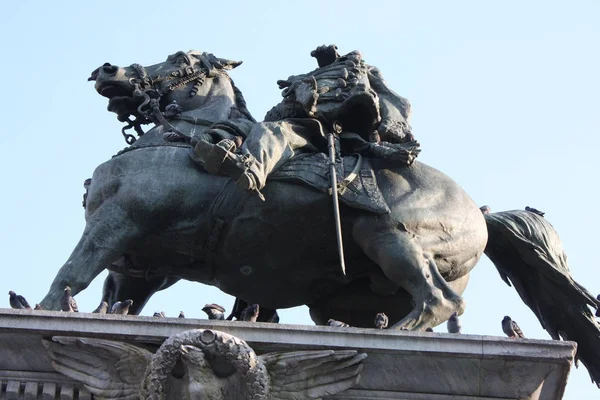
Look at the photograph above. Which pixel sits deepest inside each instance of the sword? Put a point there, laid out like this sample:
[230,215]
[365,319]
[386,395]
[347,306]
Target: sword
[337,129]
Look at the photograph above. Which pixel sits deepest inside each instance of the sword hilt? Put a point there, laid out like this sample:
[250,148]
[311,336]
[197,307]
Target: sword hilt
[336,127]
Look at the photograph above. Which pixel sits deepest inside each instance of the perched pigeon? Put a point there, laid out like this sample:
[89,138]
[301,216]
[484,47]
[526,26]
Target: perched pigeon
[121,307]
[181,314]
[102,308]
[429,330]
[485,209]
[250,314]
[18,301]
[381,321]
[337,324]
[535,211]
[159,314]
[214,311]
[39,307]
[67,302]
[598,309]
[453,324]
[511,328]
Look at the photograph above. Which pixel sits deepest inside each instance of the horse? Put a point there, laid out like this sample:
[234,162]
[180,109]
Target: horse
[155,216]
[152,210]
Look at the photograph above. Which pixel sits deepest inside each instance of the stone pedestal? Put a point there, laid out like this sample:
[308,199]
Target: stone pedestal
[400,364]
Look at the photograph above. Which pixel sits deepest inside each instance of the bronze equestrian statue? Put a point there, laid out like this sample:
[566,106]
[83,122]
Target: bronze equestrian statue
[154,214]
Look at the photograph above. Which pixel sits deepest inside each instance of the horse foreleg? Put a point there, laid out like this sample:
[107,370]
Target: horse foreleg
[119,287]
[265,314]
[406,263]
[107,235]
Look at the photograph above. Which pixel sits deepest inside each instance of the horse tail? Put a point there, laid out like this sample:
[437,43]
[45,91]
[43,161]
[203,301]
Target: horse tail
[528,253]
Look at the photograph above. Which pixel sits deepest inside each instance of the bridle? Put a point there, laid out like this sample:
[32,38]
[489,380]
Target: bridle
[150,90]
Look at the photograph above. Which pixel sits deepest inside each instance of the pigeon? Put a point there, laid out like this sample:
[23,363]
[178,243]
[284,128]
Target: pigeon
[102,308]
[214,311]
[159,314]
[337,324]
[39,307]
[18,301]
[250,314]
[181,314]
[67,302]
[429,330]
[598,309]
[381,321]
[453,324]
[511,328]
[485,209]
[535,211]
[121,307]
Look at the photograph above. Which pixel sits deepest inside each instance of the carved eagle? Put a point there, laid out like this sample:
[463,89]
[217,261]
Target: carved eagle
[202,364]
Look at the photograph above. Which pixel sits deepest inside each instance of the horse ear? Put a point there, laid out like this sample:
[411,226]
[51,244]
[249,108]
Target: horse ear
[214,64]
[229,64]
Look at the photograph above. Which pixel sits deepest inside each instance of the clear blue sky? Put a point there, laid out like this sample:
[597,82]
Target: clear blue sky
[504,95]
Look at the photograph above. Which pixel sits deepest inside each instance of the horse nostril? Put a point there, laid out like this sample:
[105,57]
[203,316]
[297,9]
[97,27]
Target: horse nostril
[107,68]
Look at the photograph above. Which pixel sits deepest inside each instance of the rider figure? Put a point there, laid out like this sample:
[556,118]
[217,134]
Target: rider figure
[344,89]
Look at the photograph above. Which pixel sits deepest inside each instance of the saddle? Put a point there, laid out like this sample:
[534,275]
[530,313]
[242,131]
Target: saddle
[357,184]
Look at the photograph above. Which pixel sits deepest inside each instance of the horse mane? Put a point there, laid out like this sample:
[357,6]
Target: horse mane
[240,101]
[218,65]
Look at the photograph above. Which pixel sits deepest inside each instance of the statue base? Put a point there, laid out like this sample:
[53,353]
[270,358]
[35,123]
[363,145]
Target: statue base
[400,364]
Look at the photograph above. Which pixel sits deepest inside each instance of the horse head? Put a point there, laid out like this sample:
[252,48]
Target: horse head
[185,81]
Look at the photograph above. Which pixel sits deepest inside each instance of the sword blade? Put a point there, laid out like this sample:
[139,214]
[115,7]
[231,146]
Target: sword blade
[334,197]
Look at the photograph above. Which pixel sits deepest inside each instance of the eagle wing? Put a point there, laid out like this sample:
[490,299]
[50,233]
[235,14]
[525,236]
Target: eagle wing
[312,374]
[110,370]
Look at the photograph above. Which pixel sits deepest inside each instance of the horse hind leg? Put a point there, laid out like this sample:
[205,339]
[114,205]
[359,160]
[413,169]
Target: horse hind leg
[406,263]
[107,235]
[119,287]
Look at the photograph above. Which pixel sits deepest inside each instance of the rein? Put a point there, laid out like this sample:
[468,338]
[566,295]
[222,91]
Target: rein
[150,96]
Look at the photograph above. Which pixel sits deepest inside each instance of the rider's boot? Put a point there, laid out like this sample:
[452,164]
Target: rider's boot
[221,159]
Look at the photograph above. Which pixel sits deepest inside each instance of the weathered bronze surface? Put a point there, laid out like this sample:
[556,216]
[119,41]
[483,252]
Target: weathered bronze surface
[155,215]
